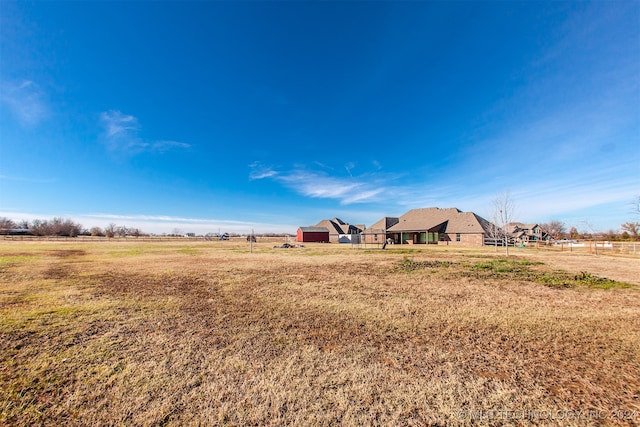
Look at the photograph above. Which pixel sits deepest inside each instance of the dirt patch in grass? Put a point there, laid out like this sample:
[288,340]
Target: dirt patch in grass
[340,337]
[67,253]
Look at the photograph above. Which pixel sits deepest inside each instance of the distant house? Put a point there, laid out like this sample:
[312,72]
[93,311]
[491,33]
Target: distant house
[313,234]
[340,231]
[431,226]
[524,233]
[15,231]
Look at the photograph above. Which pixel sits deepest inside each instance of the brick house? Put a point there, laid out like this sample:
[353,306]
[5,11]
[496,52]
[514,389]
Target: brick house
[448,226]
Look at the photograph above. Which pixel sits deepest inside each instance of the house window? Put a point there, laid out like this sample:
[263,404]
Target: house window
[457,237]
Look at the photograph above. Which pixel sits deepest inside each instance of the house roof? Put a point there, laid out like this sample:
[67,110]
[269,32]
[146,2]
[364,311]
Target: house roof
[333,227]
[519,229]
[337,226]
[314,229]
[385,223]
[449,220]
[520,226]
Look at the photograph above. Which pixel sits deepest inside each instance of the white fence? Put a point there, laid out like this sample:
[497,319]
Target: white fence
[591,246]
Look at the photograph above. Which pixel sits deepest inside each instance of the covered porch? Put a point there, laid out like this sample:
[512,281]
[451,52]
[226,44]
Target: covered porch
[419,237]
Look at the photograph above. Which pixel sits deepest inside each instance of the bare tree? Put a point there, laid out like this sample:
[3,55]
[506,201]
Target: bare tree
[573,233]
[121,231]
[503,208]
[96,231]
[110,230]
[7,224]
[63,227]
[55,227]
[494,232]
[556,229]
[38,227]
[633,228]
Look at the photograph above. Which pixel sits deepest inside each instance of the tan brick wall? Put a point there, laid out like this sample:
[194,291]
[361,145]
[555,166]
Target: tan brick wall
[370,237]
[465,239]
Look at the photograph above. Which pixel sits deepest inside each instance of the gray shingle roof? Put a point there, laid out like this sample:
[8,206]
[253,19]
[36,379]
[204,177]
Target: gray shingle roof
[333,227]
[449,220]
[314,229]
[337,226]
[385,223]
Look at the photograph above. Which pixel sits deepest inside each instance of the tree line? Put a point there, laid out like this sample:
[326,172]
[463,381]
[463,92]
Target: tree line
[557,230]
[64,228]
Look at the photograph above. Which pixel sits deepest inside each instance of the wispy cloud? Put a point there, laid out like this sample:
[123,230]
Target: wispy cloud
[348,167]
[163,146]
[121,133]
[25,100]
[319,184]
[314,184]
[260,171]
[165,218]
[119,125]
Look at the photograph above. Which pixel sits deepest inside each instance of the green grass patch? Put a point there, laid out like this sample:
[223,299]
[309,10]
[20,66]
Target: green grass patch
[389,250]
[503,265]
[564,279]
[189,251]
[6,260]
[512,270]
[402,251]
[409,265]
[38,317]
[129,252]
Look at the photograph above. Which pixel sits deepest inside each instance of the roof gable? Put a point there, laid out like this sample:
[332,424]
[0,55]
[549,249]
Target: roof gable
[337,226]
[384,223]
[333,227]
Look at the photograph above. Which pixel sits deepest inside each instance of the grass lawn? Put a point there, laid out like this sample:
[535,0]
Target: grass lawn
[207,333]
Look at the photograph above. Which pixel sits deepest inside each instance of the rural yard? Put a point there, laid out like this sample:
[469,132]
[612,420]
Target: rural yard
[191,332]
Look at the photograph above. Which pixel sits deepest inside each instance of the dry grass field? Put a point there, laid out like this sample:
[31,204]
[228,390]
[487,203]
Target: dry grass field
[206,333]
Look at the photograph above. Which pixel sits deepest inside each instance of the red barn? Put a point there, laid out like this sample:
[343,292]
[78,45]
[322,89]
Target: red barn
[313,234]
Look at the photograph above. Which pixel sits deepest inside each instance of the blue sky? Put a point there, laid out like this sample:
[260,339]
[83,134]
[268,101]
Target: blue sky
[271,115]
